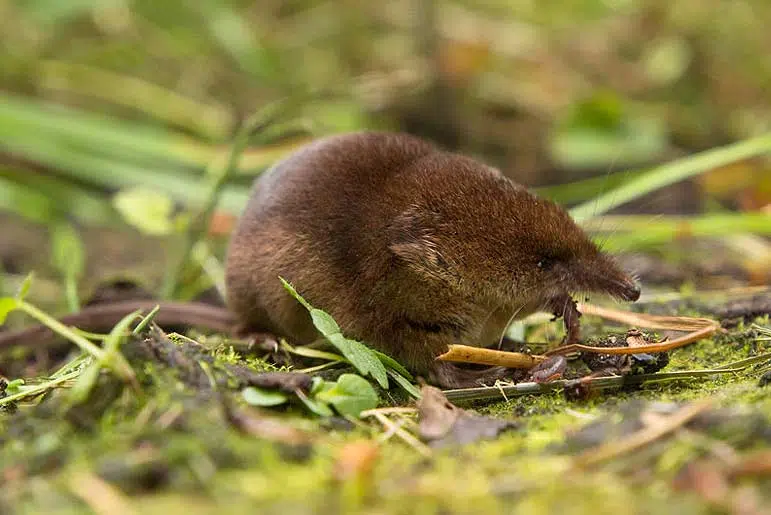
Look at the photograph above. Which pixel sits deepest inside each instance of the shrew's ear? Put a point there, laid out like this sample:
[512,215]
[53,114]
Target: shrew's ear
[413,240]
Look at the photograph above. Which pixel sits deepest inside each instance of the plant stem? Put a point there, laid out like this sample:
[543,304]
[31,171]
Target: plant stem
[119,364]
[219,173]
[40,388]
[61,329]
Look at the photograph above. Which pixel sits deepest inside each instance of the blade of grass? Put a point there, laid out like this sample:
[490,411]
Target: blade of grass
[576,191]
[24,192]
[119,364]
[671,173]
[40,388]
[114,175]
[643,231]
[111,136]
[146,321]
[87,380]
[208,120]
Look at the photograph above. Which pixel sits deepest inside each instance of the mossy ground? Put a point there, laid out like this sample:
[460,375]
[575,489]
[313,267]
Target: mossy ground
[170,449]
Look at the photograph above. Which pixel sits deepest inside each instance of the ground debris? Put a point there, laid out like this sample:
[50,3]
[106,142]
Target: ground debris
[744,309]
[621,364]
[741,428]
[441,423]
[715,482]
[257,423]
[287,382]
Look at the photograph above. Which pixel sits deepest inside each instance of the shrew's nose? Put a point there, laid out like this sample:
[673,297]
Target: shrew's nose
[630,291]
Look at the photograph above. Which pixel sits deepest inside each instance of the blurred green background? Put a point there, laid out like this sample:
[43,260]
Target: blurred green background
[111,110]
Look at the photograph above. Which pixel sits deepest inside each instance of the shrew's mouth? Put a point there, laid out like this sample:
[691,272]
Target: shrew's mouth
[565,307]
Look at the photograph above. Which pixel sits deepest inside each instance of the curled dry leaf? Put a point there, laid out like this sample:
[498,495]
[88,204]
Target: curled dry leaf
[635,338]
[443,423]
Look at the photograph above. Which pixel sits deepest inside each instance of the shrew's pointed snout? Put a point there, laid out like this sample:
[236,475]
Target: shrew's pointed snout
[629,290]
[606,277]
[615,281]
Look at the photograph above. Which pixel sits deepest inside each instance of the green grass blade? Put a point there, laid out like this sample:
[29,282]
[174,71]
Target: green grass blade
[671,173]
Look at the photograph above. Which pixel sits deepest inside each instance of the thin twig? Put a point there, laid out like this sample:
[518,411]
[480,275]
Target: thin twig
[388,411]
[407,437]
[638,349]
[483,356]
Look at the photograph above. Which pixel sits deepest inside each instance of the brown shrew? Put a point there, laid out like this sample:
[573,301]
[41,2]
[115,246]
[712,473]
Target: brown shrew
[410,248]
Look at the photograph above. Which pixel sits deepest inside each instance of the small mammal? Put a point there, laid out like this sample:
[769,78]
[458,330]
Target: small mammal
[410,248]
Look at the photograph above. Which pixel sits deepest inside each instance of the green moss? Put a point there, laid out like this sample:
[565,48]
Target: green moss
[171,449]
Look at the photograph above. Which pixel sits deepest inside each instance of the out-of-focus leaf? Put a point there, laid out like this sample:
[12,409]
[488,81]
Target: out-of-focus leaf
[55,12]
[338,116]
[601,131]
[667,59]
[444,424]
[7,304]
[25,202]
[317,407]
[263,397]
[25,286]
[148,210]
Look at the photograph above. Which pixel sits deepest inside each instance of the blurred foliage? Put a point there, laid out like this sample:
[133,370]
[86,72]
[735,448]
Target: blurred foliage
[101,100]
[696,67]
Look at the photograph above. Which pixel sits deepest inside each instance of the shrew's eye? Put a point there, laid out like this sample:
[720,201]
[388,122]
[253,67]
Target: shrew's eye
[545,263]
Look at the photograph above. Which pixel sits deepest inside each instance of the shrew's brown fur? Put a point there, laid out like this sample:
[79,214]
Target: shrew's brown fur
[410,248]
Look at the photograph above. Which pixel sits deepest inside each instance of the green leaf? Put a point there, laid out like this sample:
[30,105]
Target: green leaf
[361,357]
[14,386]
[364,359]
[324,322]
[146,209]
[351,395]
[294,294]
[391,363]
[317,407]
[26,284]
[263,397]
[405,383]
[7,304]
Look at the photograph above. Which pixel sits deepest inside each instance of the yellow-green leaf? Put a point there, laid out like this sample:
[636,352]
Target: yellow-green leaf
[7,304]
